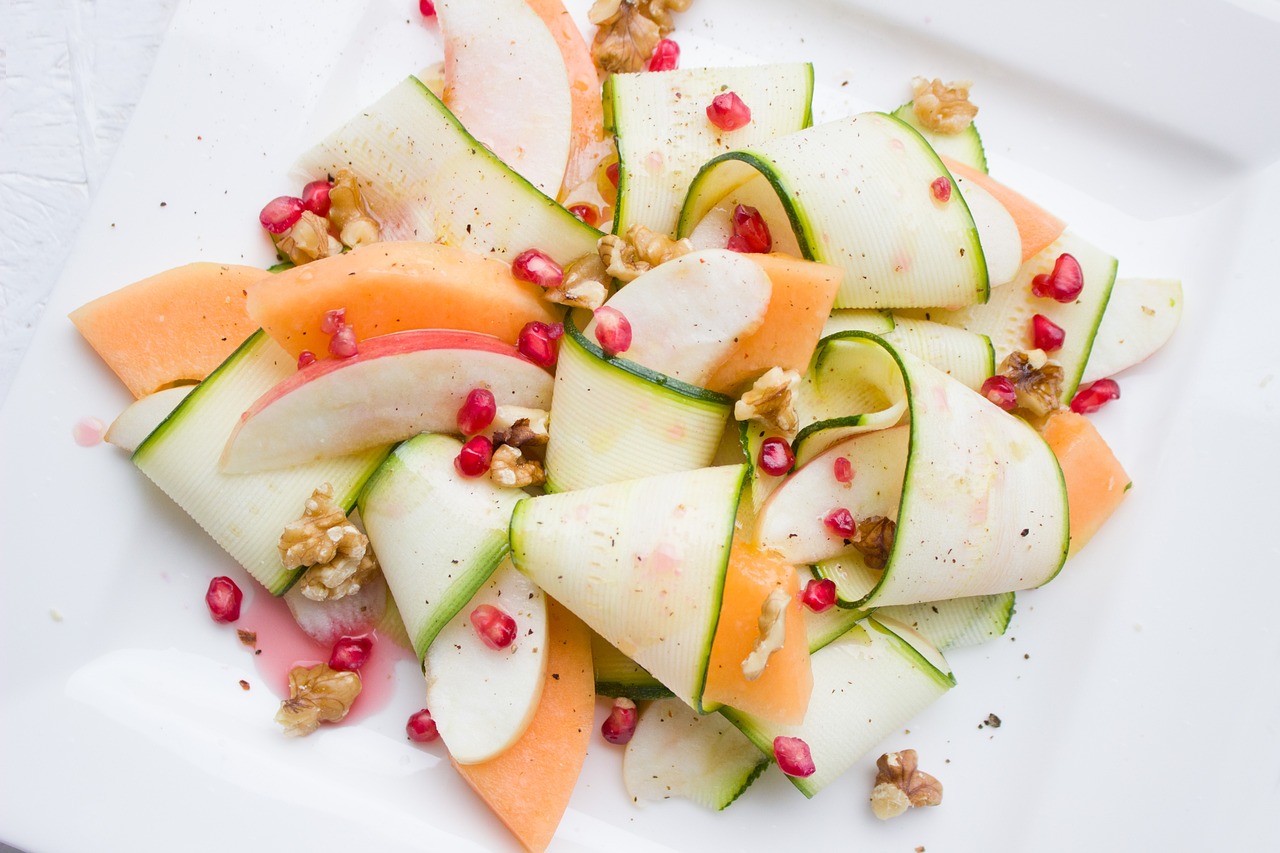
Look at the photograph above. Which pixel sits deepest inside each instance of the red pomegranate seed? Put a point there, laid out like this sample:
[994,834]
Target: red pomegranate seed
[539,342]
[728,112]
[587,212]
[315,197]
[611,173]
[1000,390]
[281,214]
[819,594]
[750,231]
[775,456]
[840,522]
[1063,284]
[350,653]
[620,725]
[537,267]
[793,757]
[494,626]
[666,56]
[305,358]
[333,321]
[843,470]
[941,189]
[427,8]
[613,330]
[1047,334]
[224,599]
[343,343]
[1095,396]
[421,728]
[477,411]
[474,457]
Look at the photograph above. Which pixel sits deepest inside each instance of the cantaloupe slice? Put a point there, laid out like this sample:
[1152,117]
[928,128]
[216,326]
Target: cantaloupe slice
[781,693]
[1096,482]
[1036,226]
[392,287]
[528,786]
[170,329]
[803,293]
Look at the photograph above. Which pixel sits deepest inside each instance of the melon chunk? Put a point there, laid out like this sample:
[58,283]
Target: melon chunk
[1096,482]
[173,328]
[394,287]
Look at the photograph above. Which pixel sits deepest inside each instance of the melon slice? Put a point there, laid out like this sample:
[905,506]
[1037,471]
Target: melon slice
[781,693]
[1096,481]
[170,329]
[1037,227]
[394,287]
[803,293]
[528,786]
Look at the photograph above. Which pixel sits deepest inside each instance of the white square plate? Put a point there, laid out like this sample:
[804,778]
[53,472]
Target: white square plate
[1138,691]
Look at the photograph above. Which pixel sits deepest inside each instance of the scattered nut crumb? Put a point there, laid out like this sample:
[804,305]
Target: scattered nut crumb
[900,785]
[244,685]
[55,614]
[248,638]
[993,721]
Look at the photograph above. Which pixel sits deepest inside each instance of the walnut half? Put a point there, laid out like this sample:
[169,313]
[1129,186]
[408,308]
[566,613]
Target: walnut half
[317,694]
[628,31]
[335,552]
[943,107]
[770,401]
[900,785]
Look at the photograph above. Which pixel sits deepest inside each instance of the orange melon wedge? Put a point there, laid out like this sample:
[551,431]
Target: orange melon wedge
[528,786]
[781,693]
[1036,226]
[1096,482]
[173,328]
[803,293]
[393,287]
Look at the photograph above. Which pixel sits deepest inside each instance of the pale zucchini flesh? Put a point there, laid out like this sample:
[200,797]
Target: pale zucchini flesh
[957,622]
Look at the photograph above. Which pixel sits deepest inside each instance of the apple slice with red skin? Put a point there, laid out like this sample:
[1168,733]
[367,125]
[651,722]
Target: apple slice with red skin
[395,387]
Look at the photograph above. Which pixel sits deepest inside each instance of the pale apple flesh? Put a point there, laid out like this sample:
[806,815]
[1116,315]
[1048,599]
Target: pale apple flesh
[396,387]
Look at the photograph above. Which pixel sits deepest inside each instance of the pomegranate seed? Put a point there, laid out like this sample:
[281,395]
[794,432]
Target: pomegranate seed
[350,653]
[587,212]
[477,411]
[750,231]
[611,173]
[1095,396]
[421,728]
[343,343]
[305,358]
[776,457]
[793,757]
[613,330]
[1048,335]
[840,522]
[494,626]
[315,197]
[427,8]
[537,267]
[941,189]
[539,342]
[1063,284]
[843,470]
[666,56]
[1000,390]
[281,214]
[819,595]
[620,725]
[333,321]
[474,457]
[728,112]
[224,599]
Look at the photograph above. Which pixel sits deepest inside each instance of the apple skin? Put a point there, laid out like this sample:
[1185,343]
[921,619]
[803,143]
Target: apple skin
[395,387]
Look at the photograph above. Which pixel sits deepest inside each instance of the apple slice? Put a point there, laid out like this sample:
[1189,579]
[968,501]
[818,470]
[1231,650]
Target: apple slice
[350,616]
[997,232]
[132,426]
[505,80]
[1141,316]
[397,386]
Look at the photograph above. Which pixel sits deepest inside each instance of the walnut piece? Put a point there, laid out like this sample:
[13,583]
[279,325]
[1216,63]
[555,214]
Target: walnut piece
[307,240]
[900,785]
[874,540]
[584,284]
[528,437]
[336,553]
[628,30]
[628,258]
[509,467]
[348,213]
[770,400]
[1037,380]
[943,107]
[773,630]
[317,694]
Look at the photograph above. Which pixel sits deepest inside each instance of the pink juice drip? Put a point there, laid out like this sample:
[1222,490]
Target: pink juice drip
[281,645]
[88,431]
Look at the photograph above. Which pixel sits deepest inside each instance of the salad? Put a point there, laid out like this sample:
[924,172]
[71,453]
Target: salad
[864,416]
